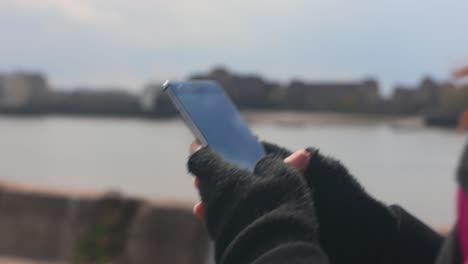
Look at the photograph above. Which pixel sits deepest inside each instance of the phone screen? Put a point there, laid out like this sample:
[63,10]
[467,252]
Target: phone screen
[217,120]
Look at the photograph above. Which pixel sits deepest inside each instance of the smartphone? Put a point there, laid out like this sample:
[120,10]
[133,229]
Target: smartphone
[215,121]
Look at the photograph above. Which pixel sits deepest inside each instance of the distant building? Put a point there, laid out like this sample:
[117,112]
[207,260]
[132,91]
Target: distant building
[333,96]
[19,90]
[427,96]
[251,91]
[247,91]
[96,101]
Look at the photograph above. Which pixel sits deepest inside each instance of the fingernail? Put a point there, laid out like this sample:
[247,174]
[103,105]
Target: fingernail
[198,210]
[299,160]
[195,146]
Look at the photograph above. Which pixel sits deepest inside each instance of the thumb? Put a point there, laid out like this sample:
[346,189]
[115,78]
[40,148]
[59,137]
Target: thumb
[298,160]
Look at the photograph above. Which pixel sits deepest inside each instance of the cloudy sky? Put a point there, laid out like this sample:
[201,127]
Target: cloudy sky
[128,43]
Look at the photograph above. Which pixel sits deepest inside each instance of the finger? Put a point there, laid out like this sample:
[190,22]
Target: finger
[195,146]
[298,160]
[211,169]
[205,162]
[198,210]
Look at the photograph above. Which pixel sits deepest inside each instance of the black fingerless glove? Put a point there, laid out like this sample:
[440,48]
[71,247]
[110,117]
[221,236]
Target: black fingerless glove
[355,227]
[262,217]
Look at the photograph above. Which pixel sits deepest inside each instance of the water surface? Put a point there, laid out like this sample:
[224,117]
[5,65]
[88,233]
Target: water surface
[414,168]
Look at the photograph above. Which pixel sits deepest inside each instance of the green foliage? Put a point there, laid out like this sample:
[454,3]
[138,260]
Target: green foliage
[106,235]
[98,246]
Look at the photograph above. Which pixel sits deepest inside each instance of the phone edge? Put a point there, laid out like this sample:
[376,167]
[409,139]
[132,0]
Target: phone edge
[185,116]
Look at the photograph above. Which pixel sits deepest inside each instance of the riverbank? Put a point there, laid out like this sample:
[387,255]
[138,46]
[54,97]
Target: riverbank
[282,118]
[293,118]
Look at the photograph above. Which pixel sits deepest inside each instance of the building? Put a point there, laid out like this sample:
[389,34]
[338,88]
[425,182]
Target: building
[22,90]
[333,96]
[247,91]
[426,97]
[98,101]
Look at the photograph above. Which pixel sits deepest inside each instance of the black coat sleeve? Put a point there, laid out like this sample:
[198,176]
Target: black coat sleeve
[293,253]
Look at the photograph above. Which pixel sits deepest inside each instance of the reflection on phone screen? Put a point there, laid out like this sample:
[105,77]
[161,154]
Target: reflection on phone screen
[219,122]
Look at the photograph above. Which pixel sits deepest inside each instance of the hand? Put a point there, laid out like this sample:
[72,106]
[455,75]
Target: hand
[298,160]
[354,227]
[253,214]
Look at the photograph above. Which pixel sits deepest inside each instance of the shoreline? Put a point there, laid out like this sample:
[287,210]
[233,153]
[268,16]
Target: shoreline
[295,118]
[275,117]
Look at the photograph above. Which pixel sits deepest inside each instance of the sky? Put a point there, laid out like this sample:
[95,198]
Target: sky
[129,43]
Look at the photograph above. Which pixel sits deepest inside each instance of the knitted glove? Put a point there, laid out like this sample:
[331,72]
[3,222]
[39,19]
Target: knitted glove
[266,216]
[354,227]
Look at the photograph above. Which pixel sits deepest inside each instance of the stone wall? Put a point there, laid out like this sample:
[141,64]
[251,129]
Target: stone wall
[62,226]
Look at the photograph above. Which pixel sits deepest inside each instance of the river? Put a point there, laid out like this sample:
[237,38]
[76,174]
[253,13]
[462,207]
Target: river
[412,167]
